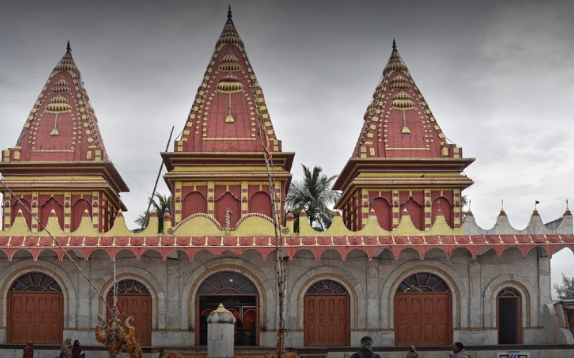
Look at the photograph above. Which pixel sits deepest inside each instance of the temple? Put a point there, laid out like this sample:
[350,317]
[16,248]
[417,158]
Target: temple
[402,261]
[402,163]
[59,165]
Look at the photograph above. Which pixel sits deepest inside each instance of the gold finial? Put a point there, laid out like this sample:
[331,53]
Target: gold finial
[54,131]
[405,129]
[221,308]
[229,118]
[394,44]
[68,47]
[229,13]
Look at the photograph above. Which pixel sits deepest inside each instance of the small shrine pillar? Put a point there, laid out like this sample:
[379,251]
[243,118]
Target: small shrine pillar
[220,333]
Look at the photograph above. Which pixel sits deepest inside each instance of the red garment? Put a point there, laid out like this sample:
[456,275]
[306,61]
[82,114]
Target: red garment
[76,349]
[29,350]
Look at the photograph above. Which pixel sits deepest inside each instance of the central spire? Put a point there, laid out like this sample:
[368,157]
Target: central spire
[229,113]
[219,165]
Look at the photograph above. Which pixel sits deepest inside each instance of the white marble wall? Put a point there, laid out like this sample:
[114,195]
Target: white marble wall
[543,353]
[17,353]
[371,285]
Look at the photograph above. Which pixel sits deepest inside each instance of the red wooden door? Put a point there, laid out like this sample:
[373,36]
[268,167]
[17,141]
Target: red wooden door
[138,306]
[35,316]
[327,320]
[423,318]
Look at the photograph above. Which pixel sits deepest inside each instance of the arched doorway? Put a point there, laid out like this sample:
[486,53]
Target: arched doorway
[238,295]
[423,311]
[509,316]
[35,310]
[133,300]
[327,315]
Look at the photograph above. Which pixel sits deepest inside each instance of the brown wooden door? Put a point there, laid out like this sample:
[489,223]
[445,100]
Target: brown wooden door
[35,316]
[423,318]
[327,320]
[138,306]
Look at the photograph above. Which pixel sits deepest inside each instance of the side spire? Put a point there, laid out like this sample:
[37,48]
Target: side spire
[62,125]
[402,160]
[61,137]
[398,121]
[229,16]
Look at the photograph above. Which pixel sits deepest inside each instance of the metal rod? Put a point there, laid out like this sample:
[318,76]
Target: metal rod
[146,215]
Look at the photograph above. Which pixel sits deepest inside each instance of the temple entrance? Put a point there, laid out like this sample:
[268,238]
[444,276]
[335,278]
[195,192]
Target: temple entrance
[509,316]
[423,311]
[327,313]
[35,310]
[239,296]
[134,300]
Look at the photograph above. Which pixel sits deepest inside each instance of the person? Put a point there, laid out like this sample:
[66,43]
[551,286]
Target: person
[412,353]
[366,349]
[77,350]
[458,351]
[66,349]
[28,350]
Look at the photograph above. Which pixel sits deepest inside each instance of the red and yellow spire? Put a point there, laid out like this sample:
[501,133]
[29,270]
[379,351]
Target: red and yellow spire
[403,163]
[224,116]
[218,167]
[59,162]
[62,125]
[398,121]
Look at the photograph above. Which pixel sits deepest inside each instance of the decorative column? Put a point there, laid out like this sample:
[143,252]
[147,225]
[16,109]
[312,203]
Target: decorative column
[220,333]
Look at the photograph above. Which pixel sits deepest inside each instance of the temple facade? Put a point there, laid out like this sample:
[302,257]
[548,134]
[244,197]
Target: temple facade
[402,261]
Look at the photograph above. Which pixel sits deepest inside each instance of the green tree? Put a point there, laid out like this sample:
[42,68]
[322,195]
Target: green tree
[314,195]
[161,204]
[566,289]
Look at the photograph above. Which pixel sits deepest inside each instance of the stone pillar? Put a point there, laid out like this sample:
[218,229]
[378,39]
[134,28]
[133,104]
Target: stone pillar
[220,333]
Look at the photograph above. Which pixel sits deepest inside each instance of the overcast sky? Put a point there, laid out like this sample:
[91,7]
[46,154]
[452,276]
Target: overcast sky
[498,76]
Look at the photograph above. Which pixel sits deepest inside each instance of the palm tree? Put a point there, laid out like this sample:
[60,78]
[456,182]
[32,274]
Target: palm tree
[160,207]
[314,195]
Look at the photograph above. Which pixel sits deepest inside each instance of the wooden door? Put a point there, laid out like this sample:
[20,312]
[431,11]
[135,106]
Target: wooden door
[327,320]
[35,316]
[138,306]
[423,318]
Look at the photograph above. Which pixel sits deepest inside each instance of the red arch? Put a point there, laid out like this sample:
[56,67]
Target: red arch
[260,202]
[194,203]
[78,209]
[225,203]
[443,205]
[26,208]
[415,211]
[383,211]
[46,209]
